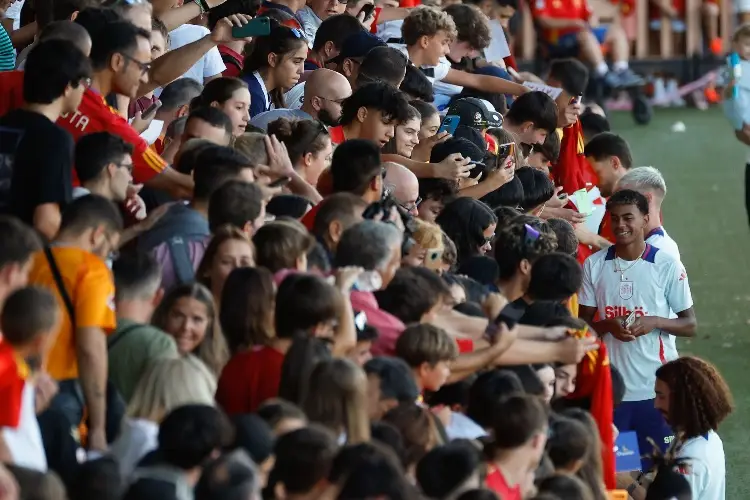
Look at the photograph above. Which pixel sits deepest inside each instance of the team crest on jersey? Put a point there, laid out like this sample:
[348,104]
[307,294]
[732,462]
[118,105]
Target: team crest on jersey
[626,290]
[477,117]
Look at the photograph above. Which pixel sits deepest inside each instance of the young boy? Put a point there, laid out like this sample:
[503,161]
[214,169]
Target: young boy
[428,35]
[28,319]
[429,352]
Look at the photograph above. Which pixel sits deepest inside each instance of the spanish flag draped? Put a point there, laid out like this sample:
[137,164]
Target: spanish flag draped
[13,374]
[594,382]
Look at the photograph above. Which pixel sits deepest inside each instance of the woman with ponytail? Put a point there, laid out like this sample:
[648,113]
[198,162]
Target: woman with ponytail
[308,143]
[274,65]
[231,95]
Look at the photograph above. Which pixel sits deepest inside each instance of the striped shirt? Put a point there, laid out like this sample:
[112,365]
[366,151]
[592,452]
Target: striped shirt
[7,52]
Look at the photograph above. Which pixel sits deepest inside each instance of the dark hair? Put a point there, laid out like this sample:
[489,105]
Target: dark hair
[396,379]
[412,293]
[219,90]
[120,37]
[567,241]
[565,487]
[234,203]
[93,152]
[190,434]
[442,190]
[568,442]
[530,380]
[303,459]
[28,312]
[389,436]
[179,93]
[535,107]
[382,64]
[213,116]
[550,149]
[214,166]
[445,468]
[299,136]
[489,388]
[100,478]
[369,470]
[571,73]
[383,97]
[417,428]
[231,476]
[302,302]
[425,343]
[464,220]
[273,411]
[137,276]
[281,41]
[343,207]
[668,484]
[426,110]
[418,87]
[289,206]
[479,493]
[512,246]
[699,398]
[593,123]
[505,215]
[354,165]
[68,31]
[608,145]
[336,29]
[303,355]
[537,187]
[17,241]
[53,66]
[555,276]
[516,419]
[59,10]
[246,313]
[88,212]
[279,244]
[511,194]
[472,25]
[628,197]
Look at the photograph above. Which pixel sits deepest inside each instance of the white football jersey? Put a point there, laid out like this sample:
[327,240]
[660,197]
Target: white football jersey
[653,285]
[660,239]
[705,469]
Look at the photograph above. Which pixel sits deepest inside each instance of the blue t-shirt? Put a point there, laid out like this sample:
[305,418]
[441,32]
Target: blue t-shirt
[260,101]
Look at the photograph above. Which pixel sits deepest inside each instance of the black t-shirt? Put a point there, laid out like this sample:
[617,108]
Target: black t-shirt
[36,160]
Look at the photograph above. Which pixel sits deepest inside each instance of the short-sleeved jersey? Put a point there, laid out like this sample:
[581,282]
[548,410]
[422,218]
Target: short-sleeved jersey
[705,467]
[660,239]
[655,285]
[94,115]
[91,288]
[560,9]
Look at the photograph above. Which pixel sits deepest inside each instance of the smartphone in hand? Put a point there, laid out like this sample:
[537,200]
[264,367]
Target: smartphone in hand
[450,124]
[260,26]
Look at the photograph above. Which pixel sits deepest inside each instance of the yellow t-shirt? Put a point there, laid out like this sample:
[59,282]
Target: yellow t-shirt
[91,289]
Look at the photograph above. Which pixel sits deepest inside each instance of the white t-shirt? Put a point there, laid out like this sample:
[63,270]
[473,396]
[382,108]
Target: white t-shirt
[25,441]
[661,240]
[296,96]
[706,469]
[498,49]
[654,285]
[210,64]
[433,73]
[390,30]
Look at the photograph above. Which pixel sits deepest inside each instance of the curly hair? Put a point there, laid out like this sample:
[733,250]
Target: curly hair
[512,245]
[699,397]
[426,21]
[472,26]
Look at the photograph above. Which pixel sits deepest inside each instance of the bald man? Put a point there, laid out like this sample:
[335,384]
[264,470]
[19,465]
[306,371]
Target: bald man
[403,186]
[324,90]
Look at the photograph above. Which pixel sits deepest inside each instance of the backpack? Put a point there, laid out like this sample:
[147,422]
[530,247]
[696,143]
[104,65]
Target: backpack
[177,242]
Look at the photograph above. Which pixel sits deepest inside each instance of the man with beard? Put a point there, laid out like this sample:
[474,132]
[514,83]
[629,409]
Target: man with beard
[325,90]
[634,287]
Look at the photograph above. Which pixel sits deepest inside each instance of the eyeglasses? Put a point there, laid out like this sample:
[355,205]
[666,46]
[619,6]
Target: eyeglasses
[145,67]
[335,101]
[411,206]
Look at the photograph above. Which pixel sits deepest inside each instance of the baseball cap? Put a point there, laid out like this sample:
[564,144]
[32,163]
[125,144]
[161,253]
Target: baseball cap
[476,113]
[357,45]
[457,145]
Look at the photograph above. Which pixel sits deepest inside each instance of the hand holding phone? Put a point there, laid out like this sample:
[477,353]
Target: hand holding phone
[509,316]
[260,26]
[450,124]
[366,11]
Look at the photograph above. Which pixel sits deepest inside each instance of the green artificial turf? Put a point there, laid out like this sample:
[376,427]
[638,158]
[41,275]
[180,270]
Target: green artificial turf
[704,212]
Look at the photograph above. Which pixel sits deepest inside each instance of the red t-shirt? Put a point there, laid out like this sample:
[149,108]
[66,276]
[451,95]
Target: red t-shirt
[560,9]
[496,482]
[93,115]
[249,379]
[337,134]
[232,60]
[12,379]
[11,91]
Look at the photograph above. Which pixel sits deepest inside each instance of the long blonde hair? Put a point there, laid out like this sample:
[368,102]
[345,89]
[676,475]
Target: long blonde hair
[169,383]
[337,399]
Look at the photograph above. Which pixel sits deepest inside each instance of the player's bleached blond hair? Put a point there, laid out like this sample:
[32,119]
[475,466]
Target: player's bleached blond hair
[644,179]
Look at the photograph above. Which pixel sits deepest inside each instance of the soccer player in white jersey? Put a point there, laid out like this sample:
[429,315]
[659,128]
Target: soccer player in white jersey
[694,398]
[634,277]
[650,183]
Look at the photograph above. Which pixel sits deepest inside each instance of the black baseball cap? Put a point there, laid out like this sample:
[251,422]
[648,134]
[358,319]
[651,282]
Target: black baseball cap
[475,113]
[357,45]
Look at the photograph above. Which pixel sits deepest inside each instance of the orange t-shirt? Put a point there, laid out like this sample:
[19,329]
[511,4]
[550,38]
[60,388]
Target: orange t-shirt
[560,9]
[91,288]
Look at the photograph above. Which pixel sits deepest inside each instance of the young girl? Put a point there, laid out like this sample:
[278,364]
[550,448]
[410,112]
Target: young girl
[430,119]
[187,313]
[308,144]
[229,249]
[232,96]
[247,304]
[274,65]
[470,224]
[407,135]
